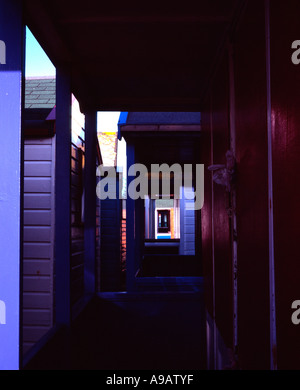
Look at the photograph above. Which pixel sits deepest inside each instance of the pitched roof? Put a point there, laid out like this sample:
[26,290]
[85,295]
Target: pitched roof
[40,93]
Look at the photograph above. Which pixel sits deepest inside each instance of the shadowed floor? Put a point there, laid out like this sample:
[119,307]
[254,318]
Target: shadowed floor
[131,331]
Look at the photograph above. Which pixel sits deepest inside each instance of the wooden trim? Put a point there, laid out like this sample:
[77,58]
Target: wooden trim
[11,184]
[90,203]
[63,198]
[39,131]
[160,128]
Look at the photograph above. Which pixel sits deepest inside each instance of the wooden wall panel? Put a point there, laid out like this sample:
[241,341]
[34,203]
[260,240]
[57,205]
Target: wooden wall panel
[221,220]
[110,271]
[285,99]
[38,237]
[77,222]
[252,189]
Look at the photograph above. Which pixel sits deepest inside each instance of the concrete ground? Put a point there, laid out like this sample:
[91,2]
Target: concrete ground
[131,331]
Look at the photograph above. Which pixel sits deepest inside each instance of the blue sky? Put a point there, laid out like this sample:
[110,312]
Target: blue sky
[37,64]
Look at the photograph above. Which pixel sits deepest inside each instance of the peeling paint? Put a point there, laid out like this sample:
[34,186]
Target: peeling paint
[2,313]
[2,53]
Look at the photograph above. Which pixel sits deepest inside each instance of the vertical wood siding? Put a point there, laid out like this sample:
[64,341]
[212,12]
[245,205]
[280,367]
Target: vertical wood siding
[252,200]
[98,236]
[285,101]
[252,190]
[77,222]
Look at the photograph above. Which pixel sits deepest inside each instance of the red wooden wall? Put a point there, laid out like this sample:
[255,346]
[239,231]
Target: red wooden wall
[250,106]
[285,96]
[252,188]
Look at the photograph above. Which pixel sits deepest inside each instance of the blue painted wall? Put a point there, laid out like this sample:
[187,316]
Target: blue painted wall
[11,32]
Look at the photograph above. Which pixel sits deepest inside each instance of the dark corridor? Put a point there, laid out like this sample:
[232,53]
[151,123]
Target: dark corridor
[131,331]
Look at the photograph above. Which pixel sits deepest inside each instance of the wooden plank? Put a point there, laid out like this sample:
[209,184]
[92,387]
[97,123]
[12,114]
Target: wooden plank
[37,234]
[37,201]
[41,300]
[73,218]
[74,165]
[37,185]
[108,204]
[36,317]
[37,267]
[75,179]
[37,284]
[38,153]
[31,334]
[77,259]
[109,214]
[189,213]
[37,217]
[75,152]
[108,230]
[180,128]
[77,246]
[139,128]
[161,128]
[189,229]
[77,233]
[37,168]
[38,141]
[190,238]
[189,220]
[37,250]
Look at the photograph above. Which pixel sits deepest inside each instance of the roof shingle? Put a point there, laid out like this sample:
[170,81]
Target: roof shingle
[40,93]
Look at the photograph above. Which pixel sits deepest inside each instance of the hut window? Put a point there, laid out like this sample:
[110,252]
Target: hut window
[163,221]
